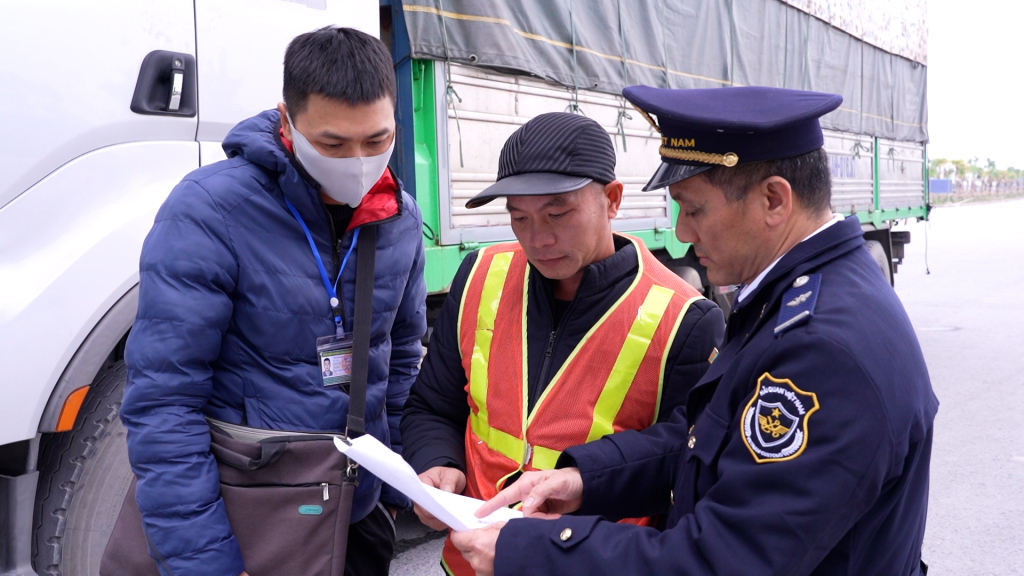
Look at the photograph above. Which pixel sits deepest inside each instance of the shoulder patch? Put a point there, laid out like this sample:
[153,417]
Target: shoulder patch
[774,423]
[798,303]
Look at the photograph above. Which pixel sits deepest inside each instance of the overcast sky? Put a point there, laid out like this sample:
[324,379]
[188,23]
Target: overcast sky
[976,80]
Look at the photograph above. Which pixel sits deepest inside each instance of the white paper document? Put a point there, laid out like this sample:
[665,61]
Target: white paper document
[455,510]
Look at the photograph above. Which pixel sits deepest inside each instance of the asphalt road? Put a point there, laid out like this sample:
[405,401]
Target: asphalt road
[969,316]
[418,549]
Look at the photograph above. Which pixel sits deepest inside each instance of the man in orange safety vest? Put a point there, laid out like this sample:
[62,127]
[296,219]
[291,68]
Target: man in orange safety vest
[571,333]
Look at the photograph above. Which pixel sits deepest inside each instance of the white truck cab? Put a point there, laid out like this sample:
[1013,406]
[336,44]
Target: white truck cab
[107,106]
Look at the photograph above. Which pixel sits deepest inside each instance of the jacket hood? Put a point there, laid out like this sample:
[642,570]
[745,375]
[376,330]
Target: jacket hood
[253,139]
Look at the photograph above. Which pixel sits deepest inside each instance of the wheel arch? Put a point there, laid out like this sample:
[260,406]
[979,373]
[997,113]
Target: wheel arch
[91,356]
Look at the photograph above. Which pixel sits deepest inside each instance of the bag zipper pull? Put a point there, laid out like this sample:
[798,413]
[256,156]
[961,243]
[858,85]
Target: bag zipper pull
[327,494]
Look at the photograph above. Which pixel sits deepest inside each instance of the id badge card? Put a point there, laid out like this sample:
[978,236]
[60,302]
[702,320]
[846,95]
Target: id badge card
[335,353]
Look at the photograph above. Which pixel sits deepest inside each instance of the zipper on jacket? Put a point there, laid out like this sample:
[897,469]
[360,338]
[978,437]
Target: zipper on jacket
[327,494]
[336,240]
[546,365]
[336,260]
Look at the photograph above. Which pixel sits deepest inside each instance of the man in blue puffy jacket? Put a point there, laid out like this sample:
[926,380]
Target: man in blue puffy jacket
[232,300]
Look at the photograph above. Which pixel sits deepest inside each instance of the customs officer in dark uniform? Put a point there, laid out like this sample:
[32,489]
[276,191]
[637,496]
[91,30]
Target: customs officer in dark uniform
[805,448]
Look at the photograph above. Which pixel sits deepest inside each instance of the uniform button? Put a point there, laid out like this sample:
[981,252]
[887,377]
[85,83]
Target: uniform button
[691,428]
[566,534]
[692,442]
[800,281]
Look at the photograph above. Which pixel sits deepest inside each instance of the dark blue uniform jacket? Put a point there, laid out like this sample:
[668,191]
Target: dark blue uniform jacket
[230,307]
[803,450]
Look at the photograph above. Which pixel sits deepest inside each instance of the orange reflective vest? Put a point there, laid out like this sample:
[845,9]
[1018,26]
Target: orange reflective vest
[610,382]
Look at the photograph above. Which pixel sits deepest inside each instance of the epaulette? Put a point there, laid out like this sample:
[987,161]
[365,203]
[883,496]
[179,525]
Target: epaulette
[798,303]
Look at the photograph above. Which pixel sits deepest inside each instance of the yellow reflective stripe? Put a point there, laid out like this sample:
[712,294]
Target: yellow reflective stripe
[593,329]
[513,448]
[525,398]
[444,565]
[664,356]
[500,484]
[502,442]
[489,300]
[632,353]
[499,441]
[465,293]
[545,458]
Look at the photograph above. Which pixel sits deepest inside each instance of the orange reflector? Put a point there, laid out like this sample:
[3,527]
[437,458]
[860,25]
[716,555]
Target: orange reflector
[69,412]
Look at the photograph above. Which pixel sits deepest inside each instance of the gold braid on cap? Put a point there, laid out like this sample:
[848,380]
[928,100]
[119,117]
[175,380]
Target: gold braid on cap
[646,117]
[728,159]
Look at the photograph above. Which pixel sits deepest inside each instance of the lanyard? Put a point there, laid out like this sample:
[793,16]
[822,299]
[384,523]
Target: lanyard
[332,289]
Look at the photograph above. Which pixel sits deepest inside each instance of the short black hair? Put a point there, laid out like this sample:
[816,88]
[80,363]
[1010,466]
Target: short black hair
[339,63]
[808,174]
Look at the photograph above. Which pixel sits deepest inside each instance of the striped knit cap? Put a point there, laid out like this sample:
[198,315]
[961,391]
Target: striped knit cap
[551,154]
[562,143]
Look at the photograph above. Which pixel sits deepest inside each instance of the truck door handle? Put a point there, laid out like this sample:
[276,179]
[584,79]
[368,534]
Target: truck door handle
[177,80]
[166,85]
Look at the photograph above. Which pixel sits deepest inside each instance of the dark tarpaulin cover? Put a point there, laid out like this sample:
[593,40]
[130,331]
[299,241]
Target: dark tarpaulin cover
[679,44]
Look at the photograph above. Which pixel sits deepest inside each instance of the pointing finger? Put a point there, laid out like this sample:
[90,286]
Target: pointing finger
[538,495]
[506,497]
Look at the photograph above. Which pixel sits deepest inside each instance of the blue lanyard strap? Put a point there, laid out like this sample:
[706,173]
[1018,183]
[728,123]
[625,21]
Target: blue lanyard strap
[332,289]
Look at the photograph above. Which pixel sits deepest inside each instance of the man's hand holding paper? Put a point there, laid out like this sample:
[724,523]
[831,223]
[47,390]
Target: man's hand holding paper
[446,479]
[453,510]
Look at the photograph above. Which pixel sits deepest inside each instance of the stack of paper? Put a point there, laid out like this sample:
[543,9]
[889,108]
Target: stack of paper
[454,510]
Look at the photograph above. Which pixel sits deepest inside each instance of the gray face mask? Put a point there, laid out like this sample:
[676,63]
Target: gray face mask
[344,180]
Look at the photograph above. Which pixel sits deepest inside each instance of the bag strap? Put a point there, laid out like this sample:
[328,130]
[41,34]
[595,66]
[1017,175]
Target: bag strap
[356,423]
[365,263]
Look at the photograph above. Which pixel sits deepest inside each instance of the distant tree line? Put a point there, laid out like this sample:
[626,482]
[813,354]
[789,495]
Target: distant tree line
[971,176]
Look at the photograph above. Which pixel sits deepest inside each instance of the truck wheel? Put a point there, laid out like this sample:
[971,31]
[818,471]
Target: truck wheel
[877,251]
[84,476]
[691,276]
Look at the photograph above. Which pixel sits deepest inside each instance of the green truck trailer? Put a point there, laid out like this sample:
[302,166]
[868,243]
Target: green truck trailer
[472,72]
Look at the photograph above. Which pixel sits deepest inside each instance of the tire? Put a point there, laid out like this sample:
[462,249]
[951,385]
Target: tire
[877,251]
[84,476]
[689,269]
[691,276]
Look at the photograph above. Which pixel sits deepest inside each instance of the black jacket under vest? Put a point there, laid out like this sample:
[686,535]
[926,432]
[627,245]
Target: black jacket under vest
[434,422]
